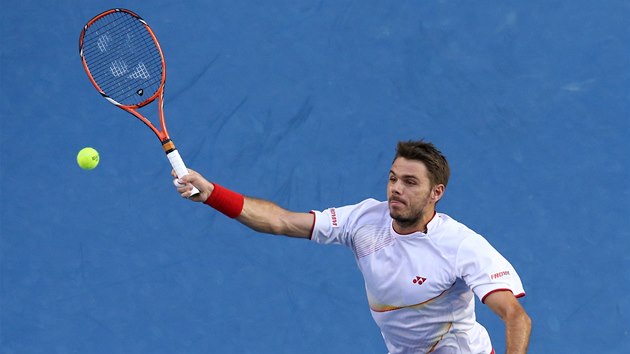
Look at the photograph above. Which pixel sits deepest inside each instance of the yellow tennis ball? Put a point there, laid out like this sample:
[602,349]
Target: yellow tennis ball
[87,158]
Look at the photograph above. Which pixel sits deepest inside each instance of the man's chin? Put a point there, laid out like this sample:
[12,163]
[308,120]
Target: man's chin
[399,218]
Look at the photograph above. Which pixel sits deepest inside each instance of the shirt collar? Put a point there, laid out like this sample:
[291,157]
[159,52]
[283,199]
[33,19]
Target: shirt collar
[435,221]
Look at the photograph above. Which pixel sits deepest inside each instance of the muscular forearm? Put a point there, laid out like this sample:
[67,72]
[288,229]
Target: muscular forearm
[518,326]
[517,331]
[267,217]
[258,214]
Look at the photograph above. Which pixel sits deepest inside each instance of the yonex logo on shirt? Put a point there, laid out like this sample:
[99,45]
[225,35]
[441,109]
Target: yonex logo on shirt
[419,280]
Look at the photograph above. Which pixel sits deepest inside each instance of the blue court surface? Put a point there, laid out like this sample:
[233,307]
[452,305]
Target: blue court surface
[302,102]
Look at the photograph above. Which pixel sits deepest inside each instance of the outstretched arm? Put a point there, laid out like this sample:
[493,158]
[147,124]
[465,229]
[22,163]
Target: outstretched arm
[518,325]
[265,216]
[258,214]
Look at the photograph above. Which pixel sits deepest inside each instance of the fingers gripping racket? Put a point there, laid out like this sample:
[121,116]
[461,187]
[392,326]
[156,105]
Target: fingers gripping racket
[124,61]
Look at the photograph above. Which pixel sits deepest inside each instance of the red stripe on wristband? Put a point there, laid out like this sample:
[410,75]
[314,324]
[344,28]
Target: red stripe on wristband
[226,201]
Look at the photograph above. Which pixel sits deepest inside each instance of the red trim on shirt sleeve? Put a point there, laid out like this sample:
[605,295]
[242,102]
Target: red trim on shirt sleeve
[483,299]
[313,226]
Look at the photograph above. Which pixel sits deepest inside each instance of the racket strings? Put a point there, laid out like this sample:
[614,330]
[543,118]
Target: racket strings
[113,77]
[123,58]
[130,29]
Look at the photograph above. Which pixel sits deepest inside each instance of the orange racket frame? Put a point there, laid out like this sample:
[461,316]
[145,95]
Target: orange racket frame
[162,133]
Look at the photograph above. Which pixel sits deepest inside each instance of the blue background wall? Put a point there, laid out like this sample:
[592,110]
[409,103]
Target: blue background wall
[302,102]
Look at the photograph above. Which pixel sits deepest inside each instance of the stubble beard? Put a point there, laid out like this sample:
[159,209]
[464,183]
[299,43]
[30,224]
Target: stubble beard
[407,221]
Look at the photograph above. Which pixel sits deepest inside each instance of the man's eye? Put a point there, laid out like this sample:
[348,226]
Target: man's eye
[411,182]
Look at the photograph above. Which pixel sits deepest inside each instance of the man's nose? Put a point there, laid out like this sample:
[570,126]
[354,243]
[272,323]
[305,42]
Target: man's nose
[396,187]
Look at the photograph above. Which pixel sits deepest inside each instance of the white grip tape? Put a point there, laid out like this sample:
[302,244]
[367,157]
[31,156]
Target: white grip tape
[178,165]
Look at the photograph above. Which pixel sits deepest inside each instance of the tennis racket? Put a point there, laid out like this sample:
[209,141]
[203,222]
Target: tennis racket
[123,59]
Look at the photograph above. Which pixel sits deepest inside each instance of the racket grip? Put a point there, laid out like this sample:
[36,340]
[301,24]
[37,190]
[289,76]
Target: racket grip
[180,168]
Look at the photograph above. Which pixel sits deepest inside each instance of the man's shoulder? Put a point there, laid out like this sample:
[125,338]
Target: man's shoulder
[368,210]
[451,231]
[372,203]
[364,205]
[373,206]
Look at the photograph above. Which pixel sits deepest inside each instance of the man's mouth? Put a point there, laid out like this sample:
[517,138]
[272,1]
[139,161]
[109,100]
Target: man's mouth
[393,201]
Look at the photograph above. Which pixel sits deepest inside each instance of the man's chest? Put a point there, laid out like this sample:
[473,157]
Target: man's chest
[406,273]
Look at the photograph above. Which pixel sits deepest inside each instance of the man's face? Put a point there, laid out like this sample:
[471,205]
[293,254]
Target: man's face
[410,195]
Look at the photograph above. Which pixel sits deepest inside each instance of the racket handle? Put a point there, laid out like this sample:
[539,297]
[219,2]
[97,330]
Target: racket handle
[179,167]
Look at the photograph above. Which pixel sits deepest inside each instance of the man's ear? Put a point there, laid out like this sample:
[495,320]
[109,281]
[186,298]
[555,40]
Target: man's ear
[438,192]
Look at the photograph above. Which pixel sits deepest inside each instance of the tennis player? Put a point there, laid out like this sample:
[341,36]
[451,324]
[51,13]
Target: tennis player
[421,268]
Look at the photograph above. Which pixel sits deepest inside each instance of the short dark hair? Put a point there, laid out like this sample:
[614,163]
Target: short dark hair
[427,153]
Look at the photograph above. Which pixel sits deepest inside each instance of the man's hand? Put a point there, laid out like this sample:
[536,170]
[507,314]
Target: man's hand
[184,186]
